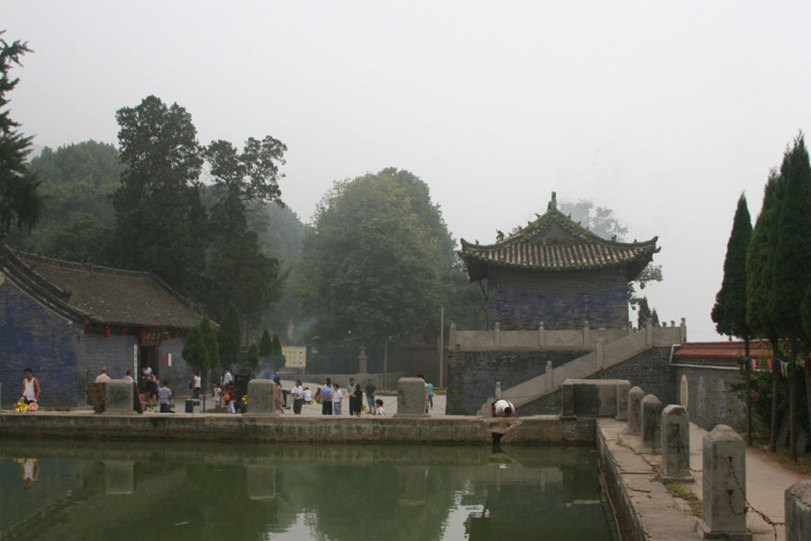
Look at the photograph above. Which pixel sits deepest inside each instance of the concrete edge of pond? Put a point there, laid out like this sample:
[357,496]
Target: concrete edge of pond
[295,429]
[645,509]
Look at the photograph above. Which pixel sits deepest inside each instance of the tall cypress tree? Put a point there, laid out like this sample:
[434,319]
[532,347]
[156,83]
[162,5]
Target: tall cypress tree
[792,270]
[729,312]
[20,201]
[759,269]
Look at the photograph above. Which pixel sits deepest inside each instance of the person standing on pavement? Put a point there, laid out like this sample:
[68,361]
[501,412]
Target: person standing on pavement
[326,398]
[165,397]
[430,394]
[337,398]
[355,400]
[298,397]
[370,396]
[278,396]
[196,385]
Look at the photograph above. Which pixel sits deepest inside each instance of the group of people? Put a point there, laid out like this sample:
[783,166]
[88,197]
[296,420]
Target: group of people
[331,398]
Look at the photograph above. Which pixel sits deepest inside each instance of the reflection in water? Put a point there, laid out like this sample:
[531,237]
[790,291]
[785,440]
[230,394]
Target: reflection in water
[87,490]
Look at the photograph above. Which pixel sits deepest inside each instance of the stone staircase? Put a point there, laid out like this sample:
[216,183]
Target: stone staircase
[605,355]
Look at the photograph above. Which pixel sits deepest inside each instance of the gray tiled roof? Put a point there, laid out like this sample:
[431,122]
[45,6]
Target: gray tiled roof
[101,295]
[554,242]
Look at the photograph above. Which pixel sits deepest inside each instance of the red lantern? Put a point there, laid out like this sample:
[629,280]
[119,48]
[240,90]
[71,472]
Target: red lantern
[87,328]
[142,335]
[166,335]
[123,330]
[106,332]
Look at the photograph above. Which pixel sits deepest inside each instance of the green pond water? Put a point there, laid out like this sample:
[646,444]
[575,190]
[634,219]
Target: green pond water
[202,491]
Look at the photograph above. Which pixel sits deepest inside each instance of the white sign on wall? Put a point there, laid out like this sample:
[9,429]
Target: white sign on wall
[295,356]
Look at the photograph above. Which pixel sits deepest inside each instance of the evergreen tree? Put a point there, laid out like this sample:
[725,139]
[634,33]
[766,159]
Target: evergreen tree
[229,337]
[195,350]
[265,346]
[211,342]
[253,356]
[792,270]
[20,201]
[277,359]
[729,311]
[643,316]
[759,280]
[160,219]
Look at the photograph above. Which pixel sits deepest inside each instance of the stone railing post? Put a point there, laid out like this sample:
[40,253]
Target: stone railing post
[724,490]
[622,400]
[549,376]
[599,353]
[452,336]
[260,397]
[411,398]
[119,396]
[634,404]
[651,422]
[586,335]
[798,511]
[497,334]
[675,433]
[649,334]
[541,335]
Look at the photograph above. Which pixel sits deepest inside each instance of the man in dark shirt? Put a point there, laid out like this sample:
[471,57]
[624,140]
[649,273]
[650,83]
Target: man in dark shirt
[370,396]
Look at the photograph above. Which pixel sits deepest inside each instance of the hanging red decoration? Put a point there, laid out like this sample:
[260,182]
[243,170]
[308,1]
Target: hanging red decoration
[123,330]
[87,328]
[142,335]
[106,332]
[166,335]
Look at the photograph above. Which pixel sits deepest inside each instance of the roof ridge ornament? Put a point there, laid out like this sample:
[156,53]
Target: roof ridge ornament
[553,203]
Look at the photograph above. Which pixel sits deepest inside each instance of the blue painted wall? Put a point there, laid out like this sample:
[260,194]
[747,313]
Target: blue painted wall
[62,356]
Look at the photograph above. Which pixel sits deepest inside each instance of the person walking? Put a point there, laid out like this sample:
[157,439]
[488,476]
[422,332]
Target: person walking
[326,398]
[298,397]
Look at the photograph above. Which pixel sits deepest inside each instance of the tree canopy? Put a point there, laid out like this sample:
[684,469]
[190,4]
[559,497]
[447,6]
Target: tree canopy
[375,258]
[20,201]
[160,219]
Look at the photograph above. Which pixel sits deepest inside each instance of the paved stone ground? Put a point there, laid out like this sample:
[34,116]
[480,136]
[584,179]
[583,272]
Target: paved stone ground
[766,484]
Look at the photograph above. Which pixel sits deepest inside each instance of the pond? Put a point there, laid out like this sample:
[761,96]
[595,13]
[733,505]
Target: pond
[93,490]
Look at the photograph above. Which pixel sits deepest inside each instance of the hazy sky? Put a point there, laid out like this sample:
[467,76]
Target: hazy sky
[665,113]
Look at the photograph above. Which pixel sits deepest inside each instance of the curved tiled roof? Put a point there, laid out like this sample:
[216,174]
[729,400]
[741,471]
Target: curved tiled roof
[554,242]
[101,295]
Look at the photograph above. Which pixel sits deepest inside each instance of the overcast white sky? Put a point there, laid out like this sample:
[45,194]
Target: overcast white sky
[664,112]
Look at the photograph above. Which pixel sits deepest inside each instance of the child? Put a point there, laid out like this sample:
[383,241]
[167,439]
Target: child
[379,407]
[337,396]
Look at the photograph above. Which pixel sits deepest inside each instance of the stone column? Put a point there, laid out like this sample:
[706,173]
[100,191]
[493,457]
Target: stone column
[675,433]
[363,361]
[497,334]
[650,422]
[541,335]
[119,476]
[724,486]
[622,400]
[260,397]
[411,398]
[634,409]
[549,376]
[118,397]
[798,511]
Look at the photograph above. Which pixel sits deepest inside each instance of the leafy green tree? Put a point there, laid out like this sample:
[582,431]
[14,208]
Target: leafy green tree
[78,182]
[792,271]
[759,280]
[372,264]
[211,342]
[239,272]
[160,219]
[20,201]
[253,356]
[195,350]
[229,337]
[729,311]
[643,315]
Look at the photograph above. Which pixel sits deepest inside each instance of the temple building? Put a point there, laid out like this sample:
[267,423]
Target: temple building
[557,274]
[67,320]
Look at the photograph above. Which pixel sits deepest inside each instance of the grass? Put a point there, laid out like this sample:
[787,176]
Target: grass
[680,491]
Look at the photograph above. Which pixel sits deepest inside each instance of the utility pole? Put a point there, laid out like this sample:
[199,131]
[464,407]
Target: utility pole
[441,342]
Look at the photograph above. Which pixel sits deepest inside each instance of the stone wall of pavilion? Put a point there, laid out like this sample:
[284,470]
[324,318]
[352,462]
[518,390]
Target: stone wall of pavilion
[562,300]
